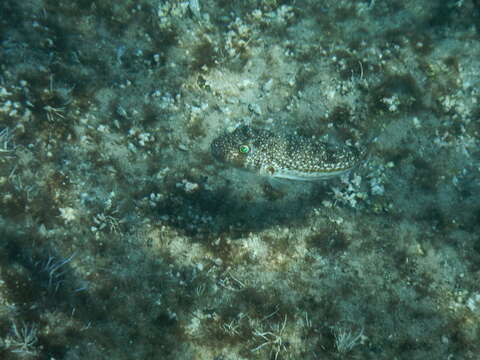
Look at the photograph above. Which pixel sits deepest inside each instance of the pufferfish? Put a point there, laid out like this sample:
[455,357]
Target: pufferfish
[291,157]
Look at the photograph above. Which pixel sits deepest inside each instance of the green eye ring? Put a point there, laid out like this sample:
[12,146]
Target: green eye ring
[244,149]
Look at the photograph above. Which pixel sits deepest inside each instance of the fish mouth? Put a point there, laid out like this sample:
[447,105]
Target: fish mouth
[223,151]
[217,149]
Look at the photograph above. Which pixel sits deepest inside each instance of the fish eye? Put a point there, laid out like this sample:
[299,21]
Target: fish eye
[244,149]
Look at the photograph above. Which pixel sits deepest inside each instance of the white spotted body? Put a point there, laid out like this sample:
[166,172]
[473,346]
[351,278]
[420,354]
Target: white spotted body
[287,157]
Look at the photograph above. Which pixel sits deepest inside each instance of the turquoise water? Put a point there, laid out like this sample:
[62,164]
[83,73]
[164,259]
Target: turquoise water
[122,237]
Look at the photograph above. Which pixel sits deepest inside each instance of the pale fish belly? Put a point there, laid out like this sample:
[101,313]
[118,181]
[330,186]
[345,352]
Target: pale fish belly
[307,176]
